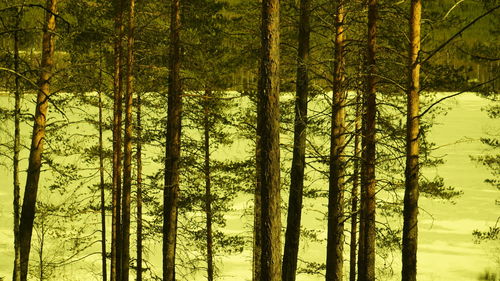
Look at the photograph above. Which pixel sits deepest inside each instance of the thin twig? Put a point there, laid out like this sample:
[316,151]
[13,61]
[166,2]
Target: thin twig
[456,94]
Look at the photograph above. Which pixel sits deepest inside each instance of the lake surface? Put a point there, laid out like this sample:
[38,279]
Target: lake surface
[446,247]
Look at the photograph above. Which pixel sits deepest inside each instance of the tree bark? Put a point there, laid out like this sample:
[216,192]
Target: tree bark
[354,191]
[268,126]
[36,149]
[208,186]
[410,212]
[116,244]
[367,269]
[127,162]
[16,276]
[173,142]
[292,235]
[335,242]
[139,188]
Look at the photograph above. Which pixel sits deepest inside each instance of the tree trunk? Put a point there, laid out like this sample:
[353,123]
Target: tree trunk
[268,126]
[41,264]
[36,149]
[16,276]
[127,162]
[362,203]
[208,192]
[139,189]
[257,218]
[116,244]
[410,213]
[354,191]
[173,142]
[102,184]
[335,242]
[292,235]
[367,268]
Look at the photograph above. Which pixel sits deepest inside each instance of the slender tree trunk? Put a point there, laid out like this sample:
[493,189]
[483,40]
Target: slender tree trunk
[362,204]
[335,242]
[354,192]
[16,276]
[257,218]
[102,184]
[41,264]
[35,157]
[268,126]
[292,235]
[127,163]
[410,213]
[139,188]
[116,236]
[208,192]
[173,143]
[367,269]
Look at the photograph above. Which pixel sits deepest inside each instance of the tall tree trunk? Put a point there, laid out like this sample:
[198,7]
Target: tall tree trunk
[335,242]
[410,212]
[257,217]
[139,188]
[354,191]
[367,269]
[362,200]
[173,149]
[116,244]
[268,127]
[127,162]
[35,157]
[292,235]
[16,276]
[102,183]
[208,192]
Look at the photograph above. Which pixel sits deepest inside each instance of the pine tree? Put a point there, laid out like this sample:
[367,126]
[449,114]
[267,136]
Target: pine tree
[116,244]
[17,143]
[335,242]
[410,212]
[366,258]
[173,149]
[36,149]
[292,235]
[127,162]
[268,138]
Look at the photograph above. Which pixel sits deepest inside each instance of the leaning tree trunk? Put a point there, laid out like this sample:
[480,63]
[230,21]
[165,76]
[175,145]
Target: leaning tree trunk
[410,212]
[367,267]
[173,148]
[127,162]
[268,131]
[16,276]
[116,244]
[354,191]
[37,140]
[292,235]
[335,242]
